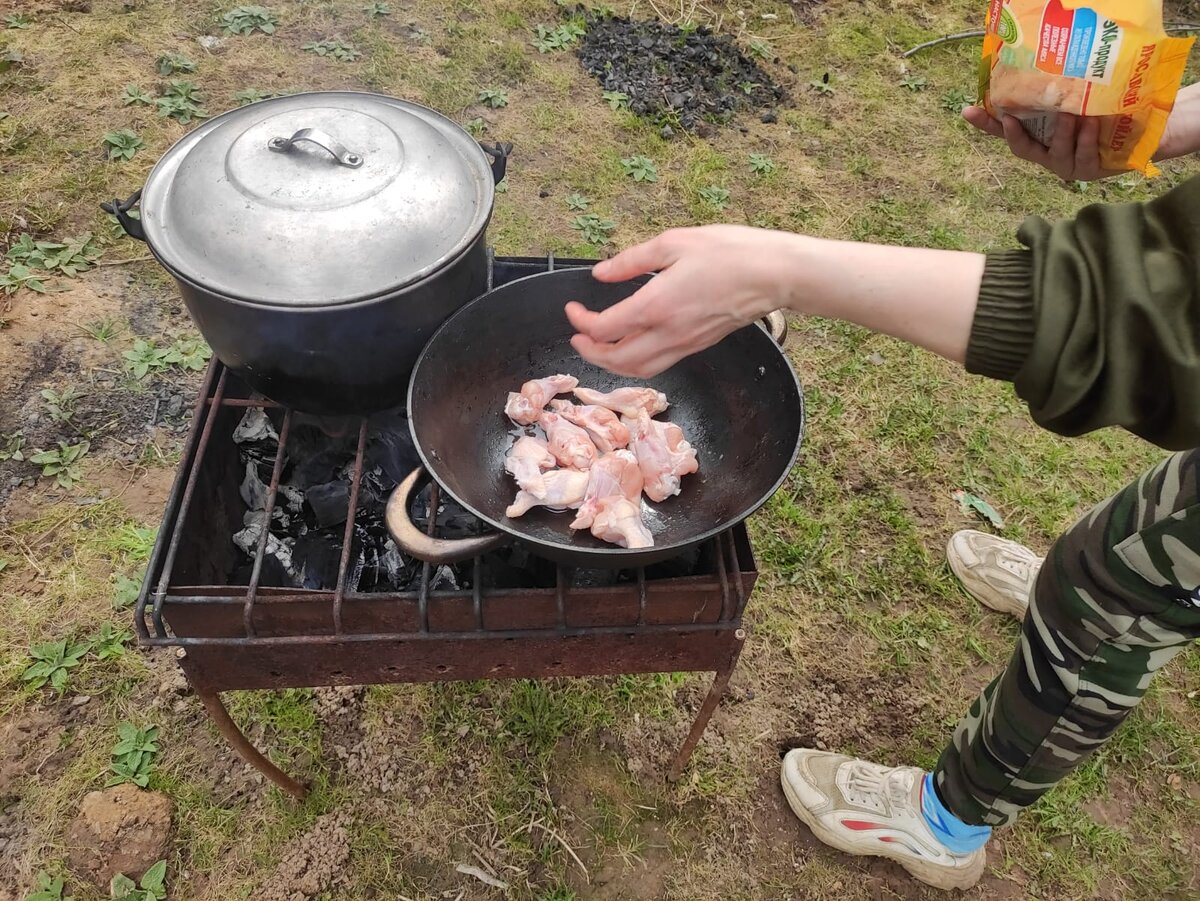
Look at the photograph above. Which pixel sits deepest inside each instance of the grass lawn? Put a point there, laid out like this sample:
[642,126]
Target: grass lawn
[860,639]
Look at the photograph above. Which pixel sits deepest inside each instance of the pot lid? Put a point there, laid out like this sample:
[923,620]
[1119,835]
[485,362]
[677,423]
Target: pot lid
[317,199]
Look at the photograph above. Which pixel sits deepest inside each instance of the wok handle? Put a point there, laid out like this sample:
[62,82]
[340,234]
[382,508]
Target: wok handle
[426,548]
[121,208]
[776,325]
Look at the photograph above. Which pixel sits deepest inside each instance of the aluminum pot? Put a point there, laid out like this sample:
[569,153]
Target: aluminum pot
[320,239]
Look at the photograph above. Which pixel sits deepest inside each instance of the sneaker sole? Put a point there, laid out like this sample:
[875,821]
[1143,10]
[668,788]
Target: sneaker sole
[939,877]
[981,590]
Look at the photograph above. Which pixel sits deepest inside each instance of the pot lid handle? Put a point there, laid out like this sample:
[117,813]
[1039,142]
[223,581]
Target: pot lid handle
[322,139]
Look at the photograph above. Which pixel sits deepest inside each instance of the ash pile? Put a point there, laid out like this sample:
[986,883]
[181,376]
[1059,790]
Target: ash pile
[686,75]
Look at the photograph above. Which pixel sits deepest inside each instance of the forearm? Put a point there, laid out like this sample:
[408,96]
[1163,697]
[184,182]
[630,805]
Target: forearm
[924,297]
[1183,127]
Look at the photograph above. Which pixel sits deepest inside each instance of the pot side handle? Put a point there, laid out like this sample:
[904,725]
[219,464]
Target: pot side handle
[499,153]
[426,548]
[121,209]
[776,325]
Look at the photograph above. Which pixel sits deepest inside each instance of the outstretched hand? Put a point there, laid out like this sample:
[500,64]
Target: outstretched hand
[713,280]
[1074,151]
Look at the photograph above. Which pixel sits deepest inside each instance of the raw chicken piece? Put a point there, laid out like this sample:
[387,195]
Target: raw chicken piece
[526,462]
[564,491]
[619,521]
[525,406]
[613,475]
[602,424]
[663,455]
[626,401]
[569,443]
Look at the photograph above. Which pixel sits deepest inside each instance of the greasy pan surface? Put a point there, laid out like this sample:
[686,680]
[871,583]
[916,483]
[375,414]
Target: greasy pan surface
[739,404]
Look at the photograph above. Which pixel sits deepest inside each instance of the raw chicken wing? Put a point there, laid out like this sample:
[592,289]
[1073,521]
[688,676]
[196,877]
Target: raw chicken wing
[663,455]
[613,475]
[626,401]
[564,490]
[602,424]
[569,443]
[524,407]
[526,462]
[619,521]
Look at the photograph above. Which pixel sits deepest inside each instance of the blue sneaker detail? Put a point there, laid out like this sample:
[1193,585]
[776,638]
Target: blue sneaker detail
[957,836]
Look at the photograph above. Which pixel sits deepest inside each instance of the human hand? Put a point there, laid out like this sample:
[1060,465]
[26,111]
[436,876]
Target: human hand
[713,280]
[1074,151]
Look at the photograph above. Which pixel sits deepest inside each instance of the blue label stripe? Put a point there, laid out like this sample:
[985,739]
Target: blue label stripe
[1083,36]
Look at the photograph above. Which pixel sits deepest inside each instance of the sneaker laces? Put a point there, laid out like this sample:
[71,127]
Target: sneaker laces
[868,786]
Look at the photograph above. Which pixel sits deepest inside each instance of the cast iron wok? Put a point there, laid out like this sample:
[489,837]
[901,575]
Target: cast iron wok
[739,404]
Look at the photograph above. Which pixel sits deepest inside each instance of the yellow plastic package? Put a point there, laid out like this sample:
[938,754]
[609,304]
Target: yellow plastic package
[1110,58]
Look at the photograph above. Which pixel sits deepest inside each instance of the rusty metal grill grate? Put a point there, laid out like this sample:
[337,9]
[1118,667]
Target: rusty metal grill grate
[260,636]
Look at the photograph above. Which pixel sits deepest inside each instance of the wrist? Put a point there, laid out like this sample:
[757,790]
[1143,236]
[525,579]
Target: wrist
[1182,135]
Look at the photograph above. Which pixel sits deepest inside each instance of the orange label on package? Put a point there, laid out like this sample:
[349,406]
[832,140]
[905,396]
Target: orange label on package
[1105,58]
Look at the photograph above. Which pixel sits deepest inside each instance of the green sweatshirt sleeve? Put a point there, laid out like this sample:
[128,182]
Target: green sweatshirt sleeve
[1097,322]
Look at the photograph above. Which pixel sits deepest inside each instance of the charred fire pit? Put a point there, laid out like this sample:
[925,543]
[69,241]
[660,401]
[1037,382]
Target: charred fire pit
[274,569]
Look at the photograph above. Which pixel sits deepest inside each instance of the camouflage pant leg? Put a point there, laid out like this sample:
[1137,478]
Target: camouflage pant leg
[1116,599]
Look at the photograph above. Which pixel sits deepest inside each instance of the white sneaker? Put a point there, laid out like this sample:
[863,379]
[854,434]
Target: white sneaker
[997,572]
[869,810]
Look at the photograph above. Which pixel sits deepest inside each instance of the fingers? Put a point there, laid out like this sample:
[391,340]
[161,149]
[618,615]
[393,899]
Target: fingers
[639,356]
[632,315]
[1062,145]
[1022,145]
[1087,148]
[979,117]
[649,256]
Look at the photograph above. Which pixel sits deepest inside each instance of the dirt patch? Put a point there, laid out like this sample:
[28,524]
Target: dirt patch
[119,830]
[312,864]
[143,492]
[832,713]
[29,741]
[688,76]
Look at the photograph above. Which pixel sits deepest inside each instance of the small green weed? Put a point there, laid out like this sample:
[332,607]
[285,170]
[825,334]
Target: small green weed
[251,95]
[748,87]
[822,85]
[186,353]
[11,59]
[109,643]
[760,49]
[181,102]
[476,126]
[151,887]
[376,10]
[62,463]
[70,257]
[126,590]
[616,100]
[639,168]
[48,888]
[914,83]
[61,404]
[955,101]
[715,196]
[494,97]
[248,19]
[761,164]
[102,330]
[339,50]
[20,276]
[53,662]
[20,20]
[577,202]
[594,229]
[562,37]
[135,95]
[134,542]
[173,64]
[133,755]
[11,445]
[123,144]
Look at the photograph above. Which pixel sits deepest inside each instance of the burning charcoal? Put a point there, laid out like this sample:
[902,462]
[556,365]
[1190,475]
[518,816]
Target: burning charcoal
[315,469]
[291,497]
[443,579]
[396,572]
[685,564]
[255,428]
[390,447]
[329,502]
[595,578]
